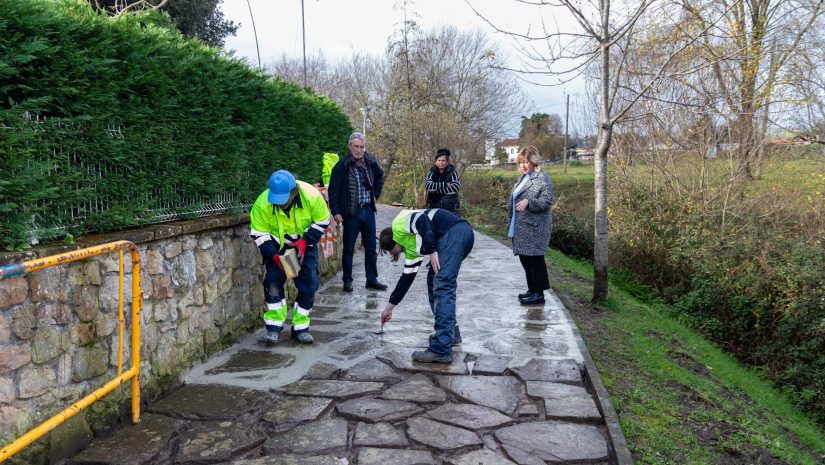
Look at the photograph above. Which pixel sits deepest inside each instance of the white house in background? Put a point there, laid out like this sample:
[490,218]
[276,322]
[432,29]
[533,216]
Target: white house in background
[511,147]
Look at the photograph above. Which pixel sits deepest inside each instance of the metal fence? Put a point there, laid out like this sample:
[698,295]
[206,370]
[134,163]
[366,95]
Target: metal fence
[170,204]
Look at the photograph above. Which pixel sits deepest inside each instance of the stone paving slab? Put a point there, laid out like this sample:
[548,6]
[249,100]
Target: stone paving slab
[379,435]
[134,444]
[217,441]
[469,416]
[310,438]
[478,389]
[491,365]
[376,456]
[553,441]
[296,408]
[210,402]
[375,370]
[293,459]
[336,389]
[560,371]
[373,410]
[476,457]
[418,388]
[565,401]
[441,436]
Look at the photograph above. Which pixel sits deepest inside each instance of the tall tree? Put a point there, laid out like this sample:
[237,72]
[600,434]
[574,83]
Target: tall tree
[603,35]
[202,19]
[545,132]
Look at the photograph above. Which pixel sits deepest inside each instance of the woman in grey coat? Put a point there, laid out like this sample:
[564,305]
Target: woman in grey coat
[531,223]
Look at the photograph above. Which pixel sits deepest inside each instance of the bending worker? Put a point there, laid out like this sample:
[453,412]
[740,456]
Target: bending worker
[447,239]
[290,214]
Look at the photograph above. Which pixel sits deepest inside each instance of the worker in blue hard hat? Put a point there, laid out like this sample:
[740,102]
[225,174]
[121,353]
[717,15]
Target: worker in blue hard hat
[289,214]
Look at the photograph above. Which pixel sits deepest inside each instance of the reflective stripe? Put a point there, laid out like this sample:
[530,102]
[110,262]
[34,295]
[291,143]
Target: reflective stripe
[261,239]
[411,266]
[279,324]
[302,311]
[276,305]
[300,327]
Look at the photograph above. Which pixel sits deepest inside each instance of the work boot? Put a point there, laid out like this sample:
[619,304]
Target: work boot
[348,287]
[378,286]
[428,356]
[532,299]
[302,336]
[524,294]
[456,340]
[272,337]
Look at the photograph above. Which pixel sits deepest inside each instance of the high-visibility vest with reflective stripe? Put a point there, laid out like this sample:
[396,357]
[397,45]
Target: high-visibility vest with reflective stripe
[311,210]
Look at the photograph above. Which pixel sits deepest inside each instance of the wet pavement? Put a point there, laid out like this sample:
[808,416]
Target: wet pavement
[520,389]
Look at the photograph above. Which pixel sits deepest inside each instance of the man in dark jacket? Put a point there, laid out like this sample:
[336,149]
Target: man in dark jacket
[442,183]
[354,188]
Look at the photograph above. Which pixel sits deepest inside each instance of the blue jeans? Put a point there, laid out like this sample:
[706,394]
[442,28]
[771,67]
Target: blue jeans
[453,248]
[362,222]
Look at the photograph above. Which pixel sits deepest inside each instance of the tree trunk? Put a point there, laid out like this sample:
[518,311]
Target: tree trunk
[600,223]
[600,283]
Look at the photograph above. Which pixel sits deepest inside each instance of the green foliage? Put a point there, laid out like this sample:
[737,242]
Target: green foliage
[751,287]
[131,115]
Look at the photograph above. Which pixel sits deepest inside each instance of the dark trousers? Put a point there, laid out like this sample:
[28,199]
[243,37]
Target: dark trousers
[453,248]
[361,222]
[536,271]
[306,282]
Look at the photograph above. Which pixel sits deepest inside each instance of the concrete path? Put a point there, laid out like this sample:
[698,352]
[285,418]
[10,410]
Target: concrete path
[521,389]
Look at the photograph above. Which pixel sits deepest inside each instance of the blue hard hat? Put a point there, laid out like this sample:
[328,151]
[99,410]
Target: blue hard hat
[281,184]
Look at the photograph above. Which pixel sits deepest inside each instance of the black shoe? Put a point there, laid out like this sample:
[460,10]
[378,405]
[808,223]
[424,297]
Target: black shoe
[532,299]
[347,287]
[427,356]
[377,286]
[524,294]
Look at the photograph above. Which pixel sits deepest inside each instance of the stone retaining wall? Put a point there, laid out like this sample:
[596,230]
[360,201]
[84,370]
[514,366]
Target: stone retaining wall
[201,285]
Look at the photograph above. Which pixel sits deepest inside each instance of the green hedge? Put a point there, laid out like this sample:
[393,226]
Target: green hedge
[106,119]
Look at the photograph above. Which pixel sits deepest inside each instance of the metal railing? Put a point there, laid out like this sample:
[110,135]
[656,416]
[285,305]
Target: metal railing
[130,374]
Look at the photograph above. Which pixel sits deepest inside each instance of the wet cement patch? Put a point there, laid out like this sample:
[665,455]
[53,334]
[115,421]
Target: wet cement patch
[251,360]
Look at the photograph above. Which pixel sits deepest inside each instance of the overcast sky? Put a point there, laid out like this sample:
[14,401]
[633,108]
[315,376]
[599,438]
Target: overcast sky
[340,27]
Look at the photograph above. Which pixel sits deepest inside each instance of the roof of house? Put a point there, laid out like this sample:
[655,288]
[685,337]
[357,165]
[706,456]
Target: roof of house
[508,143]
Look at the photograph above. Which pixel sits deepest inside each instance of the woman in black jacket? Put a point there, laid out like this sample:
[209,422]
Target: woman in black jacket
[442,184]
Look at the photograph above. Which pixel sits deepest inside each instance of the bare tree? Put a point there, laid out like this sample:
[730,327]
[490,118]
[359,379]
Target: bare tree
[604,34]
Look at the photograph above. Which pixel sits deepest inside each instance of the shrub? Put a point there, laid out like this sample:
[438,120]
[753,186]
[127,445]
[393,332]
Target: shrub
[106,122]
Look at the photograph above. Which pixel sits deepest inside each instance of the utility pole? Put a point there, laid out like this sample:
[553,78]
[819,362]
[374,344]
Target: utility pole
[566,119]
[254,31]
[304,33]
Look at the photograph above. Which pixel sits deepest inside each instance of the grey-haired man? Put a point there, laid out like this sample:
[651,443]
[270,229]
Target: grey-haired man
[354,188]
